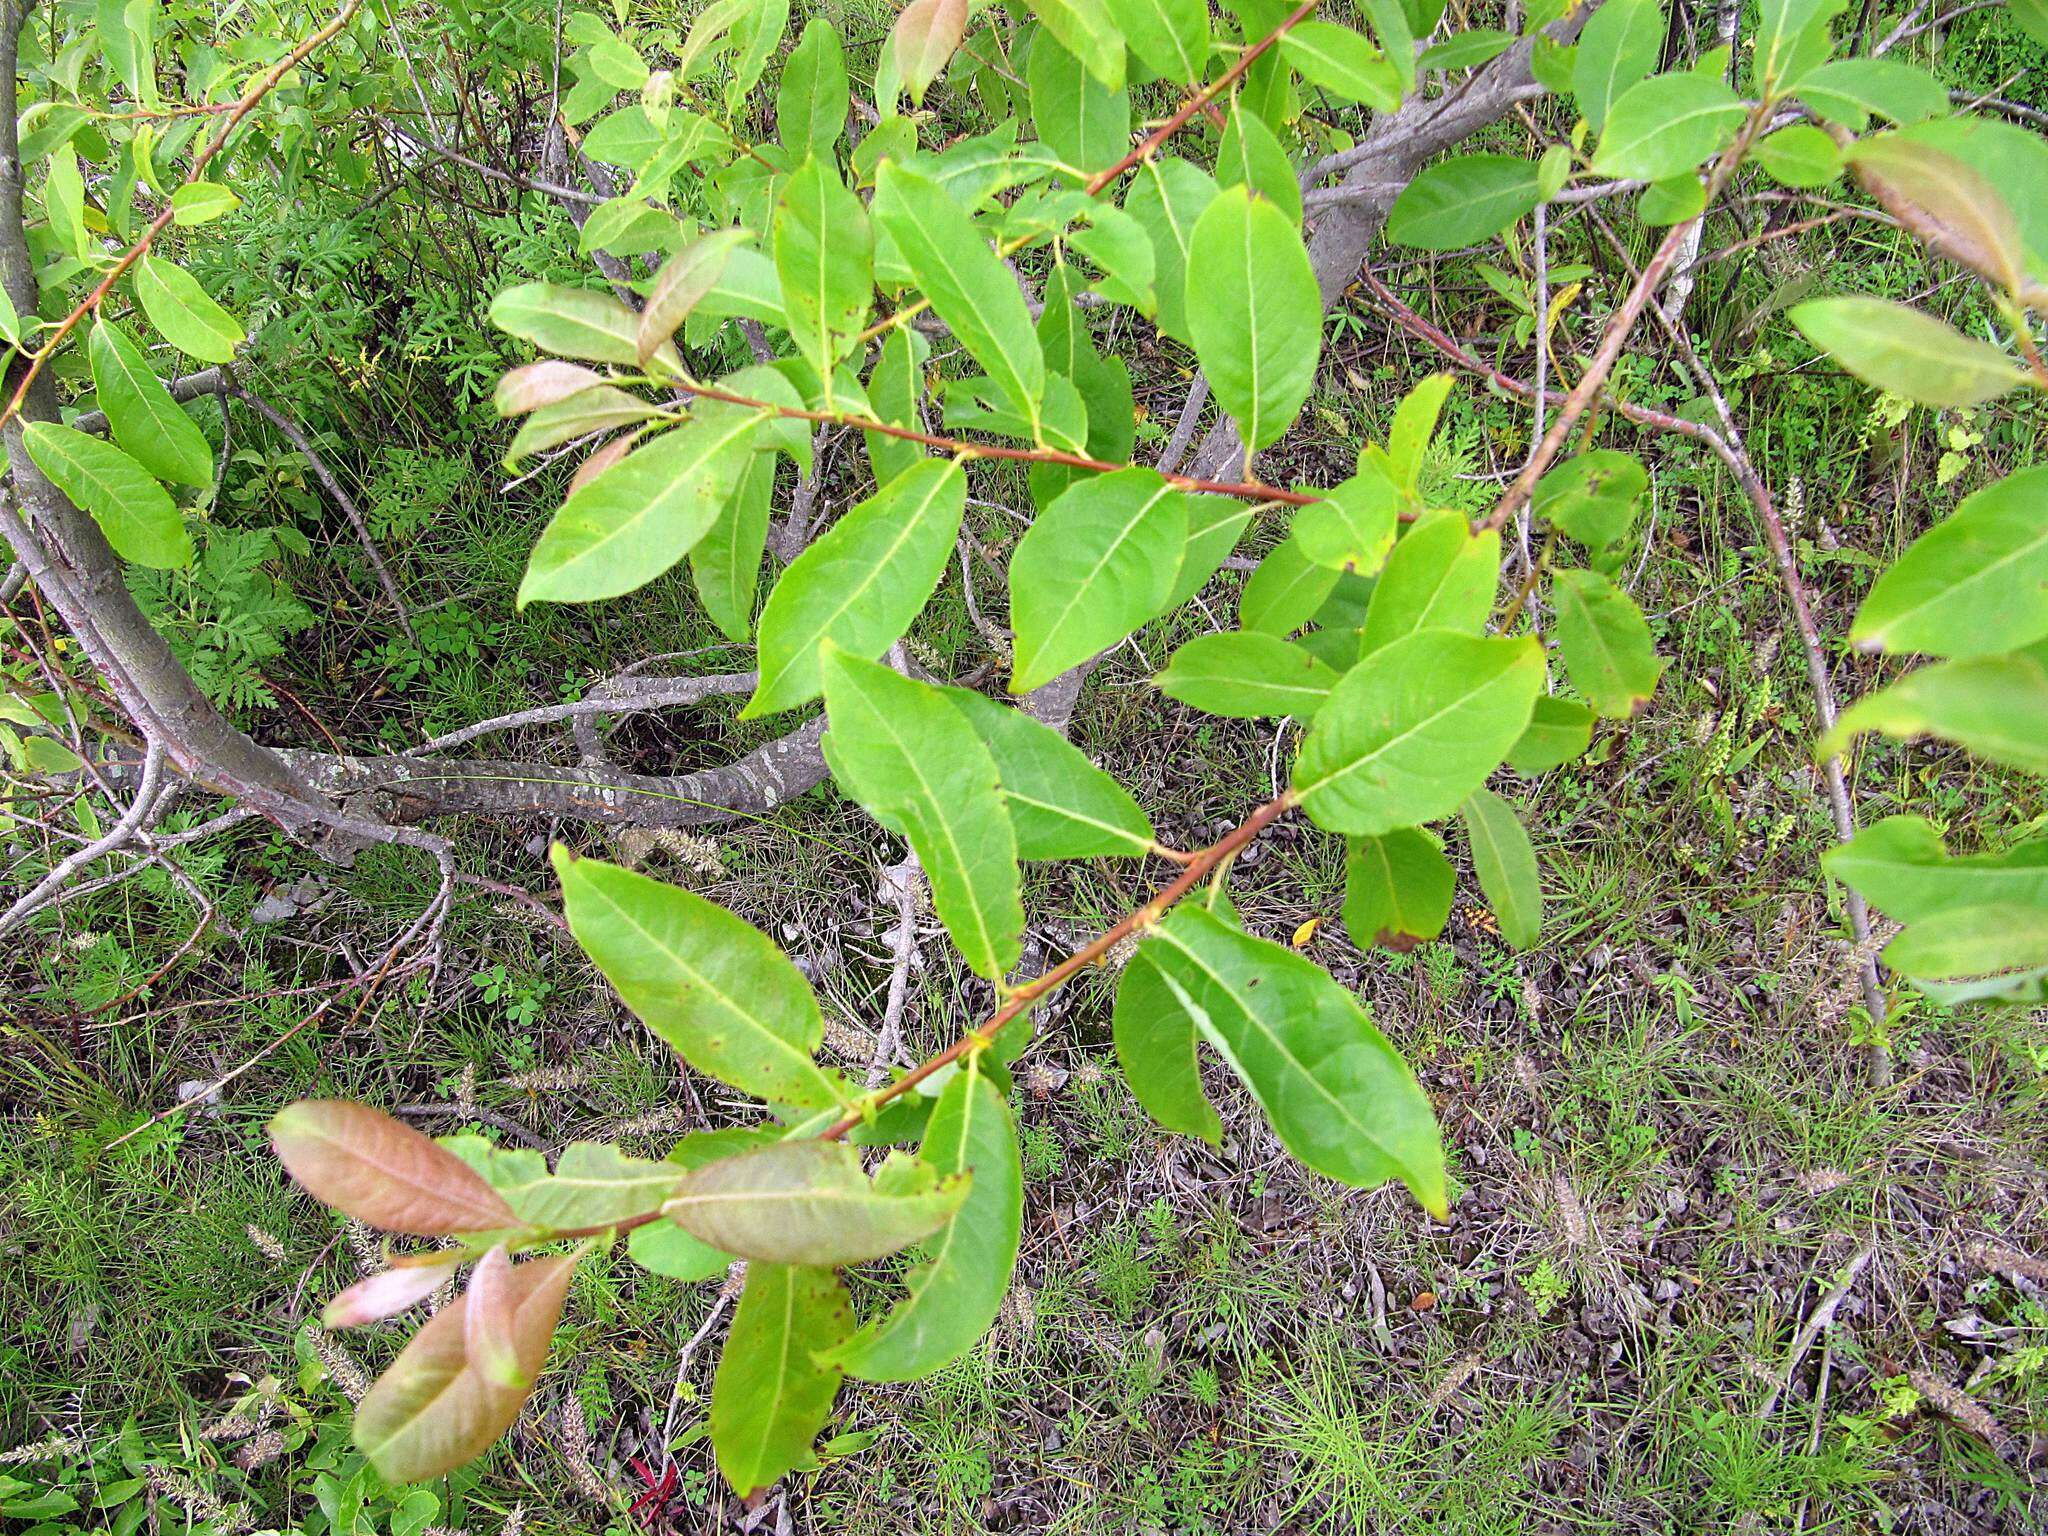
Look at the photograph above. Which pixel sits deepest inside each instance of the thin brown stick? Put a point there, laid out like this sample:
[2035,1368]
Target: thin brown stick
[1608,353]
[1022,997]
[1195,103]
[242,108]
[1247,490]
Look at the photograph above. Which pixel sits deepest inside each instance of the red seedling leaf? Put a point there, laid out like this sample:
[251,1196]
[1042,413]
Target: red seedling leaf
[534,385]
[489,1320]
[369,1166]
[925,37]
[433,1410]
[385,1295]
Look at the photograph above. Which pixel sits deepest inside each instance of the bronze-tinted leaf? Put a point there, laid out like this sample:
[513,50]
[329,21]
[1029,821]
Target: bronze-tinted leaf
[809,1203]
[384,1295]
[433,1410]
[533,385]
[1945,202]
[684,279]
[602,459]
[925,37]
[488,1320]
[367,1165]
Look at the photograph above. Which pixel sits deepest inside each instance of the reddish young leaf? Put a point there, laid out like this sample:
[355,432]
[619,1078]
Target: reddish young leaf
[533,385]
[683,280]
[925,37]
[367,1165]
[488,1321]
[433,1409]
[384,1295]
[602,459]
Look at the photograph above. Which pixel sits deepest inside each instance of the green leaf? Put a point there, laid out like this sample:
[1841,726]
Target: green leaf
[571,322]
[127,34]
[627,138]
[1250,156]
[1104,387]
[1559,731]
[1396,37]
[1096,564]
[1407,734]
[1337,1093]
[1667,124]
[1467,49]
[1606,643]
[1973,584]
[1672,201]
[1592,496]
[1410,432]
[825,256]
[1215,524]
[810,1202]
[183,313]
[773,1393]
[64,202]
[1167,198]
[1120,249]
[643,514]
[1907,351]
[726,562]
[592,1184]
[135,513]
[1086,30]
[812,99]
[894,389]
[1085,123]
[1506,866]
[1848,91]
[1792,39]
[969,288]
[145,420]
[1342,63]
[1170,37]
[903,751]
[1285,591]
[1397,889]
[861,584]
[728,1001]
[2031,17]
[662,1247]
[1352,527]
[1621,43]
[1441,575]
[1255,313]
[1153,1026]
[1463,201]
[1995,706]
[1247,675]
[1061,805]
[1970,942]
[1800,156]
[577,415]
[956,1293]
[201,202]
[1901,867]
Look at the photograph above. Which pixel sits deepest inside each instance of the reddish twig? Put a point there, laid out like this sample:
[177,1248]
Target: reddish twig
[1247,490]
[1195,103]
[239,111]
[1021,998]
